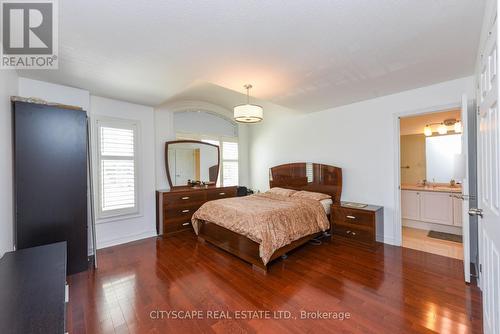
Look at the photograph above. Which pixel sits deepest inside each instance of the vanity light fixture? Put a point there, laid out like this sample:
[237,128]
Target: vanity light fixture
[428,131]
[442,129]
[248,113]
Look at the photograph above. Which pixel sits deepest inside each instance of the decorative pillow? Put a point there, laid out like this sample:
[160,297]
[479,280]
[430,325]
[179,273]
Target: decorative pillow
[311,195]
[282,191]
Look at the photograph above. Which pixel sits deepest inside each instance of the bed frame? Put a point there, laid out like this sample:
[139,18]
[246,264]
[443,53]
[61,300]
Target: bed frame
[298,176]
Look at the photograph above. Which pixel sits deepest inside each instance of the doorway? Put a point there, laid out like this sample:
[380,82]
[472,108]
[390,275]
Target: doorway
[431,174]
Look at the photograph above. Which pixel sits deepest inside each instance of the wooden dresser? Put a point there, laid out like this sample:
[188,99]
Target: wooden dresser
[359,225]
[174,208]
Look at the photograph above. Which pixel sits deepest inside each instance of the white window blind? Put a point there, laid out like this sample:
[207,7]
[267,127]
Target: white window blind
[117,168]
[230,163]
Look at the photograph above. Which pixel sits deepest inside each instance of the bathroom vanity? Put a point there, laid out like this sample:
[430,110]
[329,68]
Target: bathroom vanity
[435,204]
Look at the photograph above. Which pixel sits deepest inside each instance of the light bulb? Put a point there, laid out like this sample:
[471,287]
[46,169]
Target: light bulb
[427,131]
[458,127]
[442,130]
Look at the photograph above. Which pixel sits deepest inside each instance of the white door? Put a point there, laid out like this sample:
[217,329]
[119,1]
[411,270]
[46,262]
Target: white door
[436,207]
[410,205]
[489,184]
[458,212]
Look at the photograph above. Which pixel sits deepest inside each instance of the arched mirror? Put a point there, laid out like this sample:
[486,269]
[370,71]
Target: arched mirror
[190,161]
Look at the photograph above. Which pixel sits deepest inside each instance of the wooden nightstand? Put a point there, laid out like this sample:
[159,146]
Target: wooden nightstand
[360,225]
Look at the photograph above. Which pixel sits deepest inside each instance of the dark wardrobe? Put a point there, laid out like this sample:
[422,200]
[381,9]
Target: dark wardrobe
[50,179]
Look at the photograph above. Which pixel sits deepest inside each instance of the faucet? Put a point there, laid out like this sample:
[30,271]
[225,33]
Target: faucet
[424,182]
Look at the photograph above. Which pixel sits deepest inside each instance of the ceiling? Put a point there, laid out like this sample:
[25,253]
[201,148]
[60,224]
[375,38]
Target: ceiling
[304,55]
[415,124]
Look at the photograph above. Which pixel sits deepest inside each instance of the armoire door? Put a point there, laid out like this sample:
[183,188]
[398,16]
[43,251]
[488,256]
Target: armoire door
[50,165]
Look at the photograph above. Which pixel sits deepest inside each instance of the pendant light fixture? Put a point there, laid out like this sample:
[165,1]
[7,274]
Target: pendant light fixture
[248,113]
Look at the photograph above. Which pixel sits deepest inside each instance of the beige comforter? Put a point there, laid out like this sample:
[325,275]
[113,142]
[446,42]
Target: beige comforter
[271,220]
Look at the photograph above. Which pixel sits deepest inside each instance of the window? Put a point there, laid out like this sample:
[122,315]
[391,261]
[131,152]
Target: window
[229,168]
[117,168]
[229,163]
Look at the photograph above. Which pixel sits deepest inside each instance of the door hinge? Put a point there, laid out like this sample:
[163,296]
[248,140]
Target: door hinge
[480,268]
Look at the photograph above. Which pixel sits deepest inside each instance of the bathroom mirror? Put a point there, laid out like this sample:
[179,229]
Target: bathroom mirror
[191,160]
[441,158]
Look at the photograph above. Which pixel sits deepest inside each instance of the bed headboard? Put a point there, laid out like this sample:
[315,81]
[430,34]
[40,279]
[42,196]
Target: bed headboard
[308,176]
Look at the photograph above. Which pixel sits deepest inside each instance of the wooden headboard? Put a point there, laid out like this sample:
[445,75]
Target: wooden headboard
[308,176]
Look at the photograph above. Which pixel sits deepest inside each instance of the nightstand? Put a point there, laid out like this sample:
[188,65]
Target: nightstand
[358,225]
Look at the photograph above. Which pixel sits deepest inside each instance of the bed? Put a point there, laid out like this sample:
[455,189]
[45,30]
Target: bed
[263,227]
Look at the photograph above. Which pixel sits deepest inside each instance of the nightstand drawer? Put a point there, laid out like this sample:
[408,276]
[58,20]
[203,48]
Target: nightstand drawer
[353,217]
[344,231]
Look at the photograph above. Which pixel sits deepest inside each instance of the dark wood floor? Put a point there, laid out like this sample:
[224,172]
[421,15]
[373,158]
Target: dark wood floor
[392,290]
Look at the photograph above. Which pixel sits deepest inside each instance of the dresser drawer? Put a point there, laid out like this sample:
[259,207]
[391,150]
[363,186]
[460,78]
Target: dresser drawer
[353,217]
[181,212]
[348,232]
[213,194]
[173,199]
[176,224]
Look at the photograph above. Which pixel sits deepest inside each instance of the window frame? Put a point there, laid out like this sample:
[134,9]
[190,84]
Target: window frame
[117,214]
[221,140]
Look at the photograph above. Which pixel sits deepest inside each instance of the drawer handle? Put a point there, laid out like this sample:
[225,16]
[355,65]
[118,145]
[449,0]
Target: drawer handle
[184,198]
[347,232]
[351,217]
[222,194]
[353,233]
[185,211]
[185,224]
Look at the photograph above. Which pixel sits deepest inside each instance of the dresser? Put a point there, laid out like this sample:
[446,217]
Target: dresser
[358,225]
[34,293]
[174,208]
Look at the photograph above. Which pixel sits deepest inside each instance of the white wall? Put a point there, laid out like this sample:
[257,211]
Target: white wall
[168,122]
[116,231]
[360,138]
[8,87]
[54,93]
[204,122]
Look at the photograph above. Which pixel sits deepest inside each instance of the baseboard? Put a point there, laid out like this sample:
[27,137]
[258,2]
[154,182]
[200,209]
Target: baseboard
[434,227]
[386,240]
[125,239]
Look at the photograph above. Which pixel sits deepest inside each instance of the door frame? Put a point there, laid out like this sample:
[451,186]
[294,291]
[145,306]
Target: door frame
[398,226]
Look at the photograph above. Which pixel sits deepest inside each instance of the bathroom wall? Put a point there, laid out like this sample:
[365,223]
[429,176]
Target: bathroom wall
[412,156]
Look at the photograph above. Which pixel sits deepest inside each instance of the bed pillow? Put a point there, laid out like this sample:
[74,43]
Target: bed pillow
[311,195]
[282,191]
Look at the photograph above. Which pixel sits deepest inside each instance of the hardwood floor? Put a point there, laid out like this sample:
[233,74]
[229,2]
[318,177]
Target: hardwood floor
[390,290]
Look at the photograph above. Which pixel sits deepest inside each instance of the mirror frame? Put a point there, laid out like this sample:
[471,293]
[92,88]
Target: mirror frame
[188,141]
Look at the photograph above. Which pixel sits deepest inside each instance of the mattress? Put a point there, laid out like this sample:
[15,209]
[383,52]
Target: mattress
[327,205]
